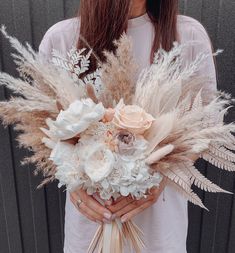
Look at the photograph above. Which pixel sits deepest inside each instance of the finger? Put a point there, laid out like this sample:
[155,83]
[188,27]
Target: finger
[97,197]
[87,211]
[133,205]
[94,205]
[142,205]
[118,199]
[91,218]
[75,203]
[134,212]
[108,202]
[114,202]
[121,204]
[90,213]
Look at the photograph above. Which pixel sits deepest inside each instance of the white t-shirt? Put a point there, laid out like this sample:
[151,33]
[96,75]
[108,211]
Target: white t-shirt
[164,224]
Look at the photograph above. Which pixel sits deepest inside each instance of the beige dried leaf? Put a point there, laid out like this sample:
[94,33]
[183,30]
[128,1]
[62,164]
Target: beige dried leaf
[188,194]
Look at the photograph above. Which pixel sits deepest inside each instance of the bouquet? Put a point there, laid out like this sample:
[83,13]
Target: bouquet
[111,134]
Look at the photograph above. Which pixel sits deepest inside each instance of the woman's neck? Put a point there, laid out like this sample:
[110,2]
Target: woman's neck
[138,8]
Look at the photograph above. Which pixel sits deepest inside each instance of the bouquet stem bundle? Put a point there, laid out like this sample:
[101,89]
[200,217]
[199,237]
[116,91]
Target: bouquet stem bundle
[112,238]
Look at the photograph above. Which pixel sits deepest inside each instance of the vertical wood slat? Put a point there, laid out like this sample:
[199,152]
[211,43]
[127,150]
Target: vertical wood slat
[193,9]
[226,81]
[70,8]
[216,224]
[38,215]
[52,12]
[10,236]
[209,218]
[10,208]
[32,215]
[33,206]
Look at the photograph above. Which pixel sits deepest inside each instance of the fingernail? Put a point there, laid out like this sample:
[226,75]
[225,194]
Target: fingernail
[123,219]
[106,221]
[107,216]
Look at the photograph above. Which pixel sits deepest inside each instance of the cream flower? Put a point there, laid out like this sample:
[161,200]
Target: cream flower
[96,160]
[76,119]
[132,118]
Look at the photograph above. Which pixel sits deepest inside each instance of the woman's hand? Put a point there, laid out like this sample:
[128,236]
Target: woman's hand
[126,207]
[90,207]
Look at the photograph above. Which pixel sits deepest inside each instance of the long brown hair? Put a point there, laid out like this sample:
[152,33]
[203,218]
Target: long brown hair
[102,21]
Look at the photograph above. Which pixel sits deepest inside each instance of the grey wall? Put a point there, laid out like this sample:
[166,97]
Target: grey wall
[32,220]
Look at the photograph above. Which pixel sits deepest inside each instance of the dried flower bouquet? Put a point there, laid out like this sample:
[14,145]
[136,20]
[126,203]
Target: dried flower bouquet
[106,132]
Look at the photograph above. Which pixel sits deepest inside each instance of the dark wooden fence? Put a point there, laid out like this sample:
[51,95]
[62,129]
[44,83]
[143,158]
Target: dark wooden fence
[31,221]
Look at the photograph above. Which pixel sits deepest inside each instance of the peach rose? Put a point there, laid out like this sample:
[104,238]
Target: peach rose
[132,118]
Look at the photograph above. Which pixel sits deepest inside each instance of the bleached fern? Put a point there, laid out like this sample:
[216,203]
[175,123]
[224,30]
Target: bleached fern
[77,63]
[177,175]
[201,181]
[218,161]
[222,152]
[188,194]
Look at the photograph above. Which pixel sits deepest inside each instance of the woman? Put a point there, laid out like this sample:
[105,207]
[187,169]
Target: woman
[150,24]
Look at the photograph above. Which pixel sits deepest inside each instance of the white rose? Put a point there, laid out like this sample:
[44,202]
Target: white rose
[96,160]
[76,119]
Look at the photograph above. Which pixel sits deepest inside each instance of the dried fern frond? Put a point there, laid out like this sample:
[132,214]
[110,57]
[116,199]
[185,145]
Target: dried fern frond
[218,161]
[189,195]
[201,181]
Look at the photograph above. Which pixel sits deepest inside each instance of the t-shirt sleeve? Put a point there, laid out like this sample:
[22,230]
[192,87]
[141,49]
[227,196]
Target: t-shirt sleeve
[45,47]
[207,68]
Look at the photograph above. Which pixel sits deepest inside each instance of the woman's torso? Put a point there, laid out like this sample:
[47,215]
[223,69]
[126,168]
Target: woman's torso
[165,223]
